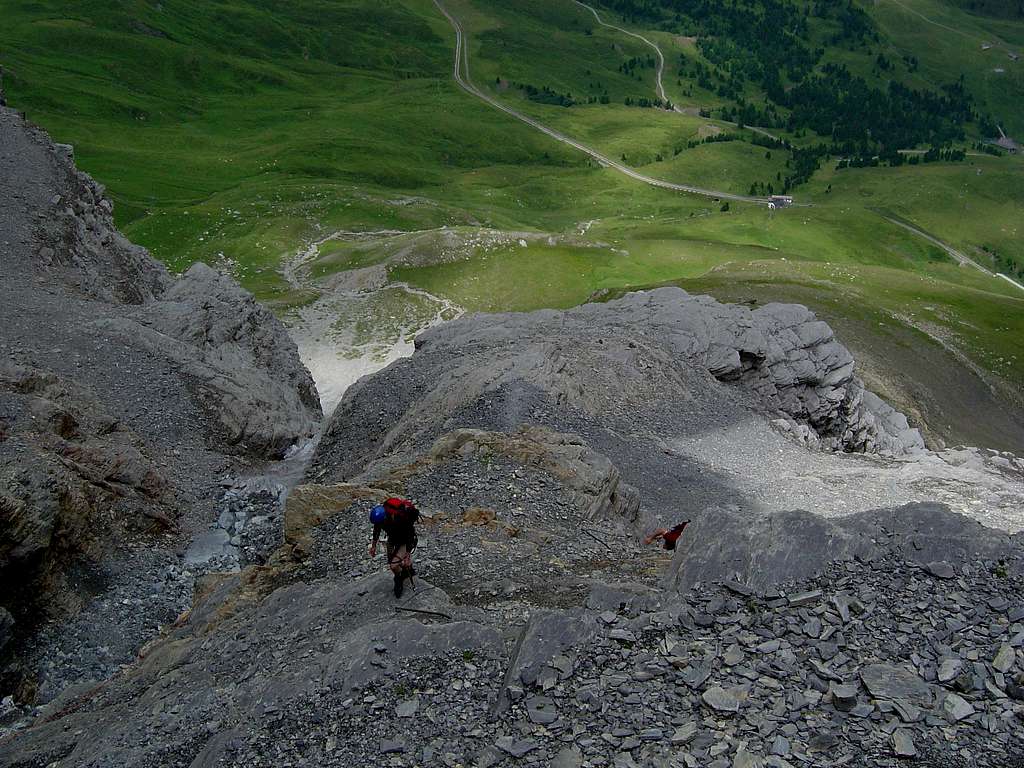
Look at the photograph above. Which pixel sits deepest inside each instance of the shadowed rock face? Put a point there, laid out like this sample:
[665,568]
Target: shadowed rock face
[789,546]
[126,395]
[62,457]
[359,640]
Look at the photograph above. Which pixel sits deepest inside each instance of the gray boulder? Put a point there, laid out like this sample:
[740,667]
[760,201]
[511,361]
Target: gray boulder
[243,366]
[885,681]
[547,634]
[721,700]
[956,708]
[903,743]
[770,549]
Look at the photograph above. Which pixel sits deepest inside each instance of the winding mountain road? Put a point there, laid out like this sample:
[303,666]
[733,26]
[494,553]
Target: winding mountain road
[959,256]
[963,259]
[460,73]
[462,78]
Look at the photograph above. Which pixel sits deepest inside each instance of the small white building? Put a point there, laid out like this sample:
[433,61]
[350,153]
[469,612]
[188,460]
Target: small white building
[780,201]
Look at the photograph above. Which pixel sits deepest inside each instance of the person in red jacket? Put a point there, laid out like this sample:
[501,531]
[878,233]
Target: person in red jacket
[668,535]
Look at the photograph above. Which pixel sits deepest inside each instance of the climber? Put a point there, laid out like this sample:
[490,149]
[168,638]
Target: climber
[668,535]
[397,518]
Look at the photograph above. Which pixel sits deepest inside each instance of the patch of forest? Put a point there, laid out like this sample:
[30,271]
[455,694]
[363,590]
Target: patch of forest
[546,95]
[768,43]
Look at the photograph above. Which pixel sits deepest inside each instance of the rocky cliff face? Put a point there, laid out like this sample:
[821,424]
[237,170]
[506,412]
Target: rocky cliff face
[244,370]
[566,654]
[697,405]
[75,239]
[126,395]
[796,545]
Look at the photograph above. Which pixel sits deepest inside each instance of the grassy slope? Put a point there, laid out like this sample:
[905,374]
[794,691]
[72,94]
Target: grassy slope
[210,146]
[244,144]
[255,126]
[953,48]
[936,196]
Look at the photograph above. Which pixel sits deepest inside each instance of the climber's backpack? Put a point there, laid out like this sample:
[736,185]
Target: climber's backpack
[401,511]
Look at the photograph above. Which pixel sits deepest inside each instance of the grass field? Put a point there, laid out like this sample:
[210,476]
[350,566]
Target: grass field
[948,42]
[235,148]
[236,131]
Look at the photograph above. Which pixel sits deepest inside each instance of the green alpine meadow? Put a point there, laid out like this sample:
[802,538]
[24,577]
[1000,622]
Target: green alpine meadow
[240,133]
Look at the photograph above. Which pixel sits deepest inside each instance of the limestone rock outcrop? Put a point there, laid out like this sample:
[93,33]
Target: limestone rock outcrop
[243,367]
[79,242]
[797,545]
[541,627]
[664,348]
[593,485]
[62,459]
[236,358]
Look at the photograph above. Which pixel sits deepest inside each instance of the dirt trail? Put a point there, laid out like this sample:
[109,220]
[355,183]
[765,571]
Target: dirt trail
[290,268]
[660,87]
[462,78]
[657,50]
